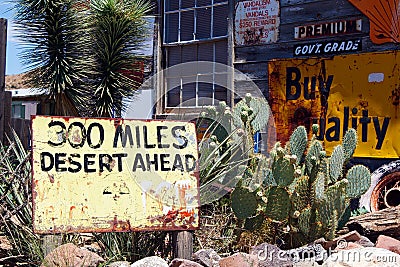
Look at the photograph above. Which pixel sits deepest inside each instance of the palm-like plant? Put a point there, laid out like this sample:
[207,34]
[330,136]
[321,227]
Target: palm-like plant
[118,31]
[54,36]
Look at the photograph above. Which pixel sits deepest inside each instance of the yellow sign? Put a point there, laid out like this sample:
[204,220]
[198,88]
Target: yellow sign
[352,91]
[102,175]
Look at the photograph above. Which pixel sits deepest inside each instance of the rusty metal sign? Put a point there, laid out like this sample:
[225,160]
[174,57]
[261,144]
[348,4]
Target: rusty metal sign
[102,175]
[384,17]
[359,91]
[257,22]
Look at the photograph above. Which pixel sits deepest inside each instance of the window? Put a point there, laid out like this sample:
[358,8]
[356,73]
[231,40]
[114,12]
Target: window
[190,20]
[18,110]
[195,30]
[196,88]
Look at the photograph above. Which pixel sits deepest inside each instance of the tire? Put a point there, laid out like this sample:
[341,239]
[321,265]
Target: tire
[386,175]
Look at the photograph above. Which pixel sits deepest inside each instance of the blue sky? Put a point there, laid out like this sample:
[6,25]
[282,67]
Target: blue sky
[13,65]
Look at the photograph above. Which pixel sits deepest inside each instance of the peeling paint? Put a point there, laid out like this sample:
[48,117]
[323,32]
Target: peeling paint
[102,175]
[337,93]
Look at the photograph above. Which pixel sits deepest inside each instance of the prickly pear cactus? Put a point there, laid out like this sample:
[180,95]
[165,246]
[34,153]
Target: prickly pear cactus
[298,143]
[310,193]
[244,203]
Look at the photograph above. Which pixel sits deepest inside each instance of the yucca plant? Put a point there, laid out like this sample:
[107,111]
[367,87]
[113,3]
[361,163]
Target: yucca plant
[54,36]
[15,202]
[118,31]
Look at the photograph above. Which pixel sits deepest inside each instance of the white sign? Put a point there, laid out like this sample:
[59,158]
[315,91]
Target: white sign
[256,22]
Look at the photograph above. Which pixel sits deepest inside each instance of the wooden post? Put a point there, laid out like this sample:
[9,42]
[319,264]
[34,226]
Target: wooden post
[3,44]
[5,97]
[182,243]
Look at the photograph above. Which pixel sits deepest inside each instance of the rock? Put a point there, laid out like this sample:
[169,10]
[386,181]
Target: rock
[271,256]
[312,251]
[239,260]
[119,264]
[207,257]
[349,237]
[349,245]
[70,255]
[310,262]
[365,242]
[365,257]
[5,244]
[152,261]
[352,236]
[388,243]
[184,263]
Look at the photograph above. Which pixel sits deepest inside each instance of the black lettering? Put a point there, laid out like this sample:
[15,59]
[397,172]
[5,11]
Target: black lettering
[138,163]
[178,163]
[58,161]
[310,95]
[78,166]
[346,116]
[325,86]
[164,162]
[78,136]
[326,29]
[340,27]
[190,163]
[322,126]
[354,120]
[160,136]
[59,133]
[43,161]
[105,160]
[302,30]
[119,157]
[364,120]
[380,132]
[89,135]
[152,162]
[333,133]
[146,142]
[119,132]
[87,162]
[137,136]
[180,138]
[309,31]
[293,82]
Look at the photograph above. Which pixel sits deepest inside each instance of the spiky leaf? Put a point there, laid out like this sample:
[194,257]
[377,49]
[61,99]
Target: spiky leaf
[359,180]
[244,202]
[301,197]
[253,223]
[313,154]
[278,204]
[283,171]
[298,142]
[336,163]
[349,143]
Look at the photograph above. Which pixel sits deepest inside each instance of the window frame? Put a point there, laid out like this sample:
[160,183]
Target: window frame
[214,3]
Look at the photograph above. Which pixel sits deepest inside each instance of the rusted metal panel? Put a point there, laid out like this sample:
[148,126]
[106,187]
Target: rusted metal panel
[358,91]
[102,175]
[256,22]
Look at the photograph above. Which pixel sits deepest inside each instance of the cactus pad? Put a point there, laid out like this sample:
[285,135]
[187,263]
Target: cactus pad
[349,143]
[298,142]
[244,202]
[336,163]
[359,180]
[278,204]
[283,171]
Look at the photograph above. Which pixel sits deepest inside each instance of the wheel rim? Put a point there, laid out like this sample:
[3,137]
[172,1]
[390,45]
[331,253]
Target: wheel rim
[386,193]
